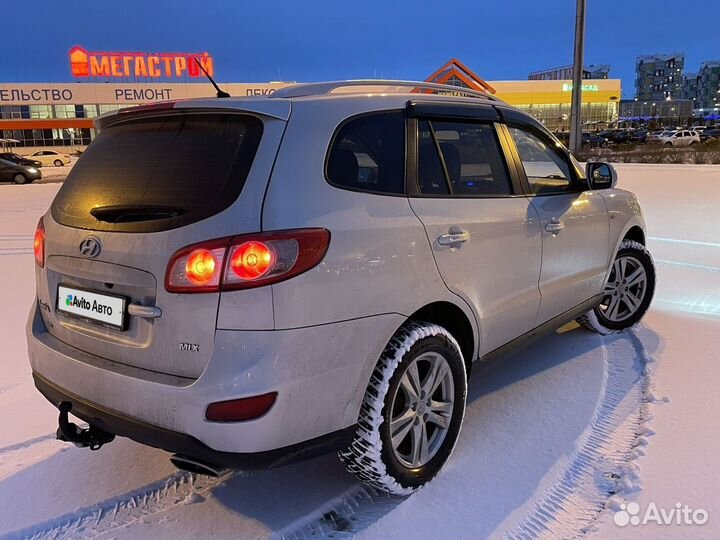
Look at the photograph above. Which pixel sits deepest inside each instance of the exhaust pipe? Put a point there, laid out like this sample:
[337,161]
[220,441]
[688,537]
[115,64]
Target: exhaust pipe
[196,466]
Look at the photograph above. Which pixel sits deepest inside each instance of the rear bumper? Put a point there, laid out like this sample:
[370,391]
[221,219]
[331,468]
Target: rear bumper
[320,374]
[181,443]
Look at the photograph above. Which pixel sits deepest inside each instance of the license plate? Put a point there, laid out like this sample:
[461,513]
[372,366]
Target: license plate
[103,309]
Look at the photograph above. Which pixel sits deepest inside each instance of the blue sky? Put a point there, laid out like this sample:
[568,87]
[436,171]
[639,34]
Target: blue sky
[327,40]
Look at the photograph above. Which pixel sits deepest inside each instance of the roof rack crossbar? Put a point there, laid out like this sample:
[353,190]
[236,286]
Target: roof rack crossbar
[314,89]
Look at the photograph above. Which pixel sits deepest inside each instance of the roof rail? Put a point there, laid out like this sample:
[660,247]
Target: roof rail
[323,88]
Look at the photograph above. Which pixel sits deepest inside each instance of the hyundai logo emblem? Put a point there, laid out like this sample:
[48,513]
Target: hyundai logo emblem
[90,247]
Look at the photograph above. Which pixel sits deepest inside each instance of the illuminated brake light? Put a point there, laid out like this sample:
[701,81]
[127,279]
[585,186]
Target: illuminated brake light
[252,260]
[200,267]
[39,244]
[196,268]
[238,410]
[247,261]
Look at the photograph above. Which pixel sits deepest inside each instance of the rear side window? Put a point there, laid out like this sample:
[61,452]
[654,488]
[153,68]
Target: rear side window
[157,173]
[461,159]
[368,154]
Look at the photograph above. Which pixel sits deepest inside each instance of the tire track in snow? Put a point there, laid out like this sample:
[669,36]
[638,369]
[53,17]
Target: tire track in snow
[16,244]
[123,510]
[344,517]
[25,444]
[602,465]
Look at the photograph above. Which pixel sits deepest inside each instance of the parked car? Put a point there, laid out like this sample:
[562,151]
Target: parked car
[244,287]
[50,157]
[20,174]
[655,136]
[680,138]
[20,160]
[594,140]
[638,136]
[616,136]
[710,134]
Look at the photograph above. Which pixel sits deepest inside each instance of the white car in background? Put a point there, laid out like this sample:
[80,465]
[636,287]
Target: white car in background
[680,138]
[50,157]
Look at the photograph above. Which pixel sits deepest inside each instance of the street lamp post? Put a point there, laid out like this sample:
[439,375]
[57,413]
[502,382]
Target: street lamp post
[576,107]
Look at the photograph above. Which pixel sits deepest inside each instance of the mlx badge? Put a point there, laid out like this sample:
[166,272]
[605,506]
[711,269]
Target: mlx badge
[191,347]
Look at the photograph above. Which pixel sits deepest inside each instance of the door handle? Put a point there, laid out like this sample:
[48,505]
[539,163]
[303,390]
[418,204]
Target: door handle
[146,312]
[453,238]
[554,226]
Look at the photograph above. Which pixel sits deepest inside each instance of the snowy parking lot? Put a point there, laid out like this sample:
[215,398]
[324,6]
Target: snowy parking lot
[557,440]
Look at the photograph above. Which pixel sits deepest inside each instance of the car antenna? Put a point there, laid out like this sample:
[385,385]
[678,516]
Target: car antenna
[220,93]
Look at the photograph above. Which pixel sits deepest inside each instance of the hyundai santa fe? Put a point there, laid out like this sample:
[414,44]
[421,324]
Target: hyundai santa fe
[247,282]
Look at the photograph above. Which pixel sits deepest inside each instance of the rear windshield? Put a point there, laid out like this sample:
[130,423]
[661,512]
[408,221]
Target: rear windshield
[157,173]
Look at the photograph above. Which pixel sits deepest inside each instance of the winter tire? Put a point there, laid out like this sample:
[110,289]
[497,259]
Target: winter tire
[412,411]
[627,293]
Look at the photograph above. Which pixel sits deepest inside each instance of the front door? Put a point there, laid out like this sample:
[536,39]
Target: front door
[573,221]
[484,234]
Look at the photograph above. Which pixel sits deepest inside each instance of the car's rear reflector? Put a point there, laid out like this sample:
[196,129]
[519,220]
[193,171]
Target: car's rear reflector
[240,410]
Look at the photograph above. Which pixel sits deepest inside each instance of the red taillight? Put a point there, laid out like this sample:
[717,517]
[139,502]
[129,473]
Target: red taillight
[247,261]
[39,244]
[238,410]
[197,268]
[252,260]
[200,267]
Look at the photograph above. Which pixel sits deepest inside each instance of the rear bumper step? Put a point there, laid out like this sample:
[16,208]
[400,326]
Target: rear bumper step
[115,423]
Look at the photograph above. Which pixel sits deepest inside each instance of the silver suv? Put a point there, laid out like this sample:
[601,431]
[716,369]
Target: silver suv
[248,282]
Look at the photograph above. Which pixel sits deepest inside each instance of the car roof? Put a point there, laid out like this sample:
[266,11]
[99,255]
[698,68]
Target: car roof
[387,94]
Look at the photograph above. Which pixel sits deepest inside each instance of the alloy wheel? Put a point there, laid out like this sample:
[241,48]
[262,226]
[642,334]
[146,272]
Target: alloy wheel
[421,410]
[625,289]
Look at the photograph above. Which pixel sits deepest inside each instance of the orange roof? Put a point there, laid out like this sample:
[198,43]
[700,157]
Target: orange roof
[455,67]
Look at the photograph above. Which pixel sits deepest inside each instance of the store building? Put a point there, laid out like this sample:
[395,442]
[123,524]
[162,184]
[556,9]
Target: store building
[601,71]
[61,114]
[547,100]
[656,114]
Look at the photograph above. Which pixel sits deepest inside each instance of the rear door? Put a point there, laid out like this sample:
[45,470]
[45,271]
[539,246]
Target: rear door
[150,184]
[6,171]
[483,232]
[574,221]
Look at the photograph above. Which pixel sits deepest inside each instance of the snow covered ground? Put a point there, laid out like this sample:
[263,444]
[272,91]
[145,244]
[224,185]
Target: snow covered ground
[556,439]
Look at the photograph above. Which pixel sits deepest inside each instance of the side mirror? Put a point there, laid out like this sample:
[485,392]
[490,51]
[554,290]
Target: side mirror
[601,175]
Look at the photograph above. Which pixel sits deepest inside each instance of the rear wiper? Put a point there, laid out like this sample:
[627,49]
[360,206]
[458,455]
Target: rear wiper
[135,212]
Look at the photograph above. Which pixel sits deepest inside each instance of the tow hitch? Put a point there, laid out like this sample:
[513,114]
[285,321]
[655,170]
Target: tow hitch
[90,437]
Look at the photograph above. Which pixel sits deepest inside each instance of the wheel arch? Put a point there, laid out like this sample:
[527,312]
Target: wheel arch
[456,321]
[635,233]
[632,229]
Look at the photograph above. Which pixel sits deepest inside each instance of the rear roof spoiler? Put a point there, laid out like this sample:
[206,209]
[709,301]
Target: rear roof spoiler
[279,109]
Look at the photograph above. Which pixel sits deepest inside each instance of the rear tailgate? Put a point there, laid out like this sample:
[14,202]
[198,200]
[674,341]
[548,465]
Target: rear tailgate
[149,185]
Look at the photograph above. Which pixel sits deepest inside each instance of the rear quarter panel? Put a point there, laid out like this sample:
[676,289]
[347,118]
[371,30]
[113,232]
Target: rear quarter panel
[379,260]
